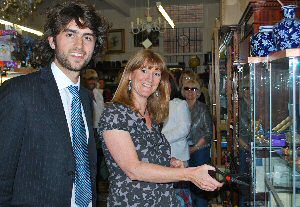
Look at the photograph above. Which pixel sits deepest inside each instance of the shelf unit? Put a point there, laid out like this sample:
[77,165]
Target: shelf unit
[8,74]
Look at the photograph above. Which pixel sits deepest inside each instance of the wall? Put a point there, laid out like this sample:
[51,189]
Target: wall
[211,12]
[232,10]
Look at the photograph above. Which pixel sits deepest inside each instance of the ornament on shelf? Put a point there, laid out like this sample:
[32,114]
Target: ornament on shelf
[8,64]
[287,32]
[262,43]
[6,47]
[7,32]
[194,61]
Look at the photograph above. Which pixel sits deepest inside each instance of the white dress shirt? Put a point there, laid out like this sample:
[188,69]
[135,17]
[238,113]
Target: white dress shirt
[98,105]
[63,82]
[177,127]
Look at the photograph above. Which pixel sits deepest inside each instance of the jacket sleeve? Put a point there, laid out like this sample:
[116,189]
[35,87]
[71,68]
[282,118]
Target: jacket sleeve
[12,119]
[179,126]
[208,126]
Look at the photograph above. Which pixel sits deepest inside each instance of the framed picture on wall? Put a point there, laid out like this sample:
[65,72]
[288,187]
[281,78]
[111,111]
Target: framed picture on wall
[116,41]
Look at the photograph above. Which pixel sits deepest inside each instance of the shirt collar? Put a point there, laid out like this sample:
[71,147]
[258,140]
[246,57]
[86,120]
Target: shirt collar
[61,79]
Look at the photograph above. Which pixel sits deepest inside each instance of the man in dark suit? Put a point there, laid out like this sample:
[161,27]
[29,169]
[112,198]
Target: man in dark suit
[41,162]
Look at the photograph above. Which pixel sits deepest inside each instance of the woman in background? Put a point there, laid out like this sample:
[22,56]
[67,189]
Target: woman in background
[176,129]
[200,135]
[184,77]
[137,154]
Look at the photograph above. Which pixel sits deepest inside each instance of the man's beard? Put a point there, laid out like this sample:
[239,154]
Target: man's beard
[64,62]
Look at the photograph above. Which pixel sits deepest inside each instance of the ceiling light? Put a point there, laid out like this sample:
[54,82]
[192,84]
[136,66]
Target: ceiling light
[6,22]
[26,29]
[165,14]
[149,24]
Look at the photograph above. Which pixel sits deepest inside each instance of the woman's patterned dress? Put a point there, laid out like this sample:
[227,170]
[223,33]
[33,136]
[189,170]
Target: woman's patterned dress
[151,147]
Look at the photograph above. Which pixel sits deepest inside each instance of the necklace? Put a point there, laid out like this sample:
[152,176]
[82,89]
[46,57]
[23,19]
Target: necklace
[143,116]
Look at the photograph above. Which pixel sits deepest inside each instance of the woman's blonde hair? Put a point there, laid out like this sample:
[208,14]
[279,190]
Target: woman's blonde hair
[157,106]
[190,74]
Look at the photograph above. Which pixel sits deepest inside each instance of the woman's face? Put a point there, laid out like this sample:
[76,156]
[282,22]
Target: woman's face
[190,92]
[145,81]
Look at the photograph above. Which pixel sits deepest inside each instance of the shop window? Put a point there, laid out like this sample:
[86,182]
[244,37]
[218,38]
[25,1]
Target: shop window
[181,43]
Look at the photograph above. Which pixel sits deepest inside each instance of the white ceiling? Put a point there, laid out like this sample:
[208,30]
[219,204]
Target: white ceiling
[35,20]
[123,6]
[107,4]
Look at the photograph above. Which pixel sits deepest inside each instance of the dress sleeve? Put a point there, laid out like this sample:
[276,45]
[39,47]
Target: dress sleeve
[113,117]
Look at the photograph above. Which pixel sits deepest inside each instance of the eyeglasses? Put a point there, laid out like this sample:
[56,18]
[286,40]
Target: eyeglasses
[190,89]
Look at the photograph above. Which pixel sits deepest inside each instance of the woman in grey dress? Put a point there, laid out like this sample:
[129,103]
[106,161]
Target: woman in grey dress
[137,154]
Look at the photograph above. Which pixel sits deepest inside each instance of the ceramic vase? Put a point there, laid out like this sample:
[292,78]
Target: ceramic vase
[287,32]
[262,43]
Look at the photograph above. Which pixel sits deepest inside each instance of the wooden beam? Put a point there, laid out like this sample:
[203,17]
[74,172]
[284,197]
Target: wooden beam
[120,6]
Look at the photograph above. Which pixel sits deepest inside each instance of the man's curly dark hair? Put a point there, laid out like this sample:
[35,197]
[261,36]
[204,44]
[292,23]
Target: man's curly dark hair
[61,15]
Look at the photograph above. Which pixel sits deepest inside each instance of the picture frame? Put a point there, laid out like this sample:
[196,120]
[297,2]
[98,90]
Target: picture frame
[115,41]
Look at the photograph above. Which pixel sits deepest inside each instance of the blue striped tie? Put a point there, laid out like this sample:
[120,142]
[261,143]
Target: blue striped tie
[83,187]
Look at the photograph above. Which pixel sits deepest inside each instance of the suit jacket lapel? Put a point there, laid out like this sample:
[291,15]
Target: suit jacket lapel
[56,110]
[86,101]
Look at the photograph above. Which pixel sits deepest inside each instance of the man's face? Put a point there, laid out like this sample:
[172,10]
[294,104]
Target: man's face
[101,84]
[73,47]
[92,83]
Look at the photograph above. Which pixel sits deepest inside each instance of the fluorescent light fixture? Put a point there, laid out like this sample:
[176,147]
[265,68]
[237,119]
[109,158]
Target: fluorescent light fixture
[38,33]
[6,22]
[165,14]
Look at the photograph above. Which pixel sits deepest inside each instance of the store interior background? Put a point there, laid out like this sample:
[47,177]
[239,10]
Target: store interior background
[120,13]
[224,29]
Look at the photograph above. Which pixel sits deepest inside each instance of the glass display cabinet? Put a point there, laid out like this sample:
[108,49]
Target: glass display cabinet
[273,124]
[244,132]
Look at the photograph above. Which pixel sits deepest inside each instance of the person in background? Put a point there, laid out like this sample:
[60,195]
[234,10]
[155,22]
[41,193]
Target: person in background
[184,77]
[101,82]
[204,94]
[200,135]
[48,152]
[141,172]
[90,81]
[176,129]
[106,93]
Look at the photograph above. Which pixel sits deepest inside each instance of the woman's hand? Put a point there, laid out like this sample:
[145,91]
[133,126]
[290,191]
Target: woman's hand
[201,178]
[201,142]
[176,163]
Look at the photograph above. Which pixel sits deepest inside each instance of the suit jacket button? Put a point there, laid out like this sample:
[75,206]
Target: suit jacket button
[70,173]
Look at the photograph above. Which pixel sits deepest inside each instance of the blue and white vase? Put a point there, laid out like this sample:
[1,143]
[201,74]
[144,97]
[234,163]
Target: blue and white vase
[287,32]
[262,43]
